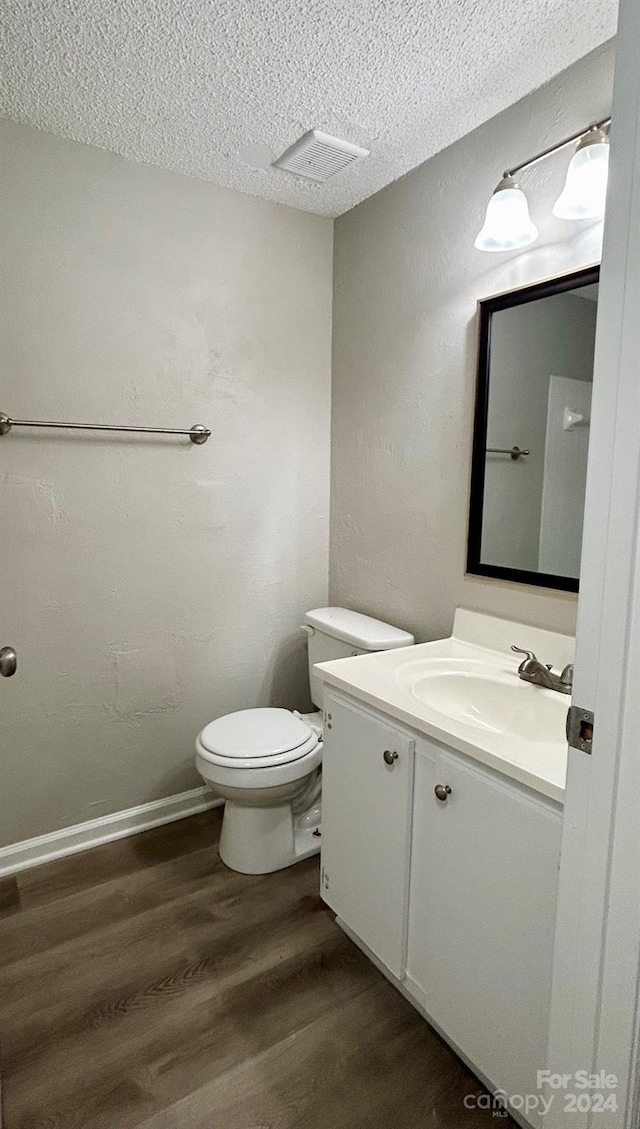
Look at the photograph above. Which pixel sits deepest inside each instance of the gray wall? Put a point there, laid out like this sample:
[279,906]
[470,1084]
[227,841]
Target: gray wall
[148,584]
[406,282]
[553,336]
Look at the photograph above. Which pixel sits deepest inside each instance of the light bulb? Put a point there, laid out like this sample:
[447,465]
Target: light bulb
[585,189]
[507,225]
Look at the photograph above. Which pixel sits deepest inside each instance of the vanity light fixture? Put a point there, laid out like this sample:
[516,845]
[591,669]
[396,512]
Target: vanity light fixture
[585,189]
[508,225]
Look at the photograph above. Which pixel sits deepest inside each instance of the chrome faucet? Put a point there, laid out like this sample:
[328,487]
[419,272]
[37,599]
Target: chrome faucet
[531,670]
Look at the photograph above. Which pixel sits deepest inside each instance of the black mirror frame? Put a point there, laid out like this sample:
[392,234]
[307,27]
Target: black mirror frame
[486,308]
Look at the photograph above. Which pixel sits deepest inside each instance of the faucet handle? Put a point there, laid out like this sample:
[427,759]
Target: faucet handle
[566,678]
[519,651]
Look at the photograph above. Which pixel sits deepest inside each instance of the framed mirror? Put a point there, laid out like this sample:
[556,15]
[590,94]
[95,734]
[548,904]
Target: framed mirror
[531,432]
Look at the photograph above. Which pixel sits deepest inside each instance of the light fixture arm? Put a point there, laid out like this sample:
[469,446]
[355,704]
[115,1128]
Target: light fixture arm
[556,148]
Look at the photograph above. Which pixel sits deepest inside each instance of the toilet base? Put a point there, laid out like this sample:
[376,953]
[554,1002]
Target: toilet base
[261,840]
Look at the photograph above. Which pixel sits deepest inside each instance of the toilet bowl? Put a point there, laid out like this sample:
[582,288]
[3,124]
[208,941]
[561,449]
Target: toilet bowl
[266,762]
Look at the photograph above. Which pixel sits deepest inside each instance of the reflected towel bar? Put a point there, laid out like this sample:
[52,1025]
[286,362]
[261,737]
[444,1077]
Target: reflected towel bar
[514,452]
[197,434]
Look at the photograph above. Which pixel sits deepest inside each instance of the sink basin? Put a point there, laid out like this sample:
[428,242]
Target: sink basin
[485,697]
[464,693]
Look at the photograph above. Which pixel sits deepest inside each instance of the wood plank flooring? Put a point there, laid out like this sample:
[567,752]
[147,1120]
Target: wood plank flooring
[144,984]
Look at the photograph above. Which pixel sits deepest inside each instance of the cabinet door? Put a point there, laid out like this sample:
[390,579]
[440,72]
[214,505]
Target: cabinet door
[484,875]
[366,826]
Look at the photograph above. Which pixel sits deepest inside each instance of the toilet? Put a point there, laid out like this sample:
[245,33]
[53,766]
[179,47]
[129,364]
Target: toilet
[266,762]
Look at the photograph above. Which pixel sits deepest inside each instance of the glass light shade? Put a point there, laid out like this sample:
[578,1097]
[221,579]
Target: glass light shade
[507,225]
[585,190]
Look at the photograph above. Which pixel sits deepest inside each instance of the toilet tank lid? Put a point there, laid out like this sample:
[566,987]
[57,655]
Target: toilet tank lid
[359,630]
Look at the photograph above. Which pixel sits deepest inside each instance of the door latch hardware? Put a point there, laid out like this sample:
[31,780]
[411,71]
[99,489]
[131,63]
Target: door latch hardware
[580,728]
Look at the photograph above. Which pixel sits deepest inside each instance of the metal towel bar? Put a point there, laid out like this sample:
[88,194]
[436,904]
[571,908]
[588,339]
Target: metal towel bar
[514,452]
[197,434]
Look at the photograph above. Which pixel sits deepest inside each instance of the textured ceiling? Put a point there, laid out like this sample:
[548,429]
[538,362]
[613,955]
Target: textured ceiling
[186,84]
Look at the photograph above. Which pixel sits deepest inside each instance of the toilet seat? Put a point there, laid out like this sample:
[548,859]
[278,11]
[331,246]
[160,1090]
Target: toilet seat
[257,739]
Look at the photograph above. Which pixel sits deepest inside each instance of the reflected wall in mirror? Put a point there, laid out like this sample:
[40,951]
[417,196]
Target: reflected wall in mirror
[531,437]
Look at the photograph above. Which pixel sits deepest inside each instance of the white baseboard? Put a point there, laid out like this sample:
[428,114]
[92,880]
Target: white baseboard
[82,836]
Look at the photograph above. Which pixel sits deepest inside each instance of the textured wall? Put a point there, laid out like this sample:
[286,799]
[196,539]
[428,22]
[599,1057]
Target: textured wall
[148,584]
[406,282]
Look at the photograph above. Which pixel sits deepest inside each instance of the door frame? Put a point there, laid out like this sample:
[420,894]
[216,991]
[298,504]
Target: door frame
[595,1010]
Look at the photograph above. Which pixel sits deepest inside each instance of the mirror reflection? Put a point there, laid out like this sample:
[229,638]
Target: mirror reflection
[532,431]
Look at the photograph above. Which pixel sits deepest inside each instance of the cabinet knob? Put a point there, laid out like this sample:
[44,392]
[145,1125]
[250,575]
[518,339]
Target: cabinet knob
[389,757]
[442,792]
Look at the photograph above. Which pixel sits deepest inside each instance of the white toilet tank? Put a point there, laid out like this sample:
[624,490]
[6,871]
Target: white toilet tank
[337,633]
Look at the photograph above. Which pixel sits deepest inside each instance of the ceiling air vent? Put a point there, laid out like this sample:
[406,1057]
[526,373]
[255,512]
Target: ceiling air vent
[318,156]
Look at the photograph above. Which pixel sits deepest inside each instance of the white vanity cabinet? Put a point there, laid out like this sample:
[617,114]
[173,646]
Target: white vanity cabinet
[456,896]
[367,778]
[482,906]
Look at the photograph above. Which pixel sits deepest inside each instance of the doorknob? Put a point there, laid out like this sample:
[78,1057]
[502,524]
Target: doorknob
[442,792]
[8,661]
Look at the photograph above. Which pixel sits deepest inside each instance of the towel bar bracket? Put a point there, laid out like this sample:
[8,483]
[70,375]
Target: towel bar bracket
[514,453]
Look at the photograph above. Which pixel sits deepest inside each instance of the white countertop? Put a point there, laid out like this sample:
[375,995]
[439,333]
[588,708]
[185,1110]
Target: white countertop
[538,764]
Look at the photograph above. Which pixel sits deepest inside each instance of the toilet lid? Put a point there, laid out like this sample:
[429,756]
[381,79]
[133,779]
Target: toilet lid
[256,735]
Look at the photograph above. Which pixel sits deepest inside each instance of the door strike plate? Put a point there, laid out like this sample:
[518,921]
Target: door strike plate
[580,728]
